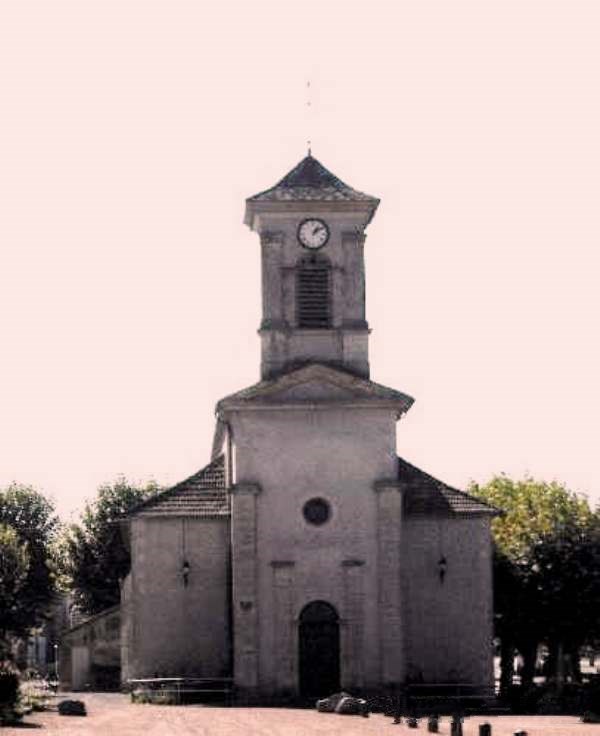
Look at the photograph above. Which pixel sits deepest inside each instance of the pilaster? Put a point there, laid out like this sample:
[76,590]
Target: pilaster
[354,279]
[245,587]
[272,286]
[353,629]
[389,574]
[337,296]
[283,617]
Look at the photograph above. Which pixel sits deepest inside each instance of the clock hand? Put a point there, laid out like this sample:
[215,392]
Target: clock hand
[317,229]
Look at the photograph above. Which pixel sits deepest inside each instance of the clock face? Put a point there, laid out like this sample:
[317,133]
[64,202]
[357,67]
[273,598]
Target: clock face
[313,233]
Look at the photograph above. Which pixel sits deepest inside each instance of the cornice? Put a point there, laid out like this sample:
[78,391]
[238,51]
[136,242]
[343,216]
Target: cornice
[281,326]
[356,236]
[389,484]
[314,406]
[248,489]
[272,237]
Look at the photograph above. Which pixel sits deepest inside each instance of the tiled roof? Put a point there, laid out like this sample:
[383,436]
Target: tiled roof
[202,494]
[427,496]
[310,181]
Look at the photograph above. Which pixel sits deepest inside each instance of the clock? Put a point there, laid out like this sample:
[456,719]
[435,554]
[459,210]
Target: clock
[313,233]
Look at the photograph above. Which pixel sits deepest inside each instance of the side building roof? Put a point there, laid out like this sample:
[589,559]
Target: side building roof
[203,494]
[427,496]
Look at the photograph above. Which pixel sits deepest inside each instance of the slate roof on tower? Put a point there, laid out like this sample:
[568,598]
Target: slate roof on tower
[202,494]
[311,181]
[427,496]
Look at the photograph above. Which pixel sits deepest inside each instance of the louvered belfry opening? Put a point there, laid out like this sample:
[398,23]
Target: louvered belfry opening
[313,293]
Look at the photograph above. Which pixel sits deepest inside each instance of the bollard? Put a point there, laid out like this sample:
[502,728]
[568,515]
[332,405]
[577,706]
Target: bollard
[456,725]
[485,729]
[433,724]
[412,722]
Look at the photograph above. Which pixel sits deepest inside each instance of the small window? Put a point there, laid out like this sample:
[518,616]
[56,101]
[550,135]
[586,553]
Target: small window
[317,511]
[313,293]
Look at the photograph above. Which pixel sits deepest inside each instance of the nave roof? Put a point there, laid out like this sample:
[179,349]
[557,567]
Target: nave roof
[425,495]
[202,494]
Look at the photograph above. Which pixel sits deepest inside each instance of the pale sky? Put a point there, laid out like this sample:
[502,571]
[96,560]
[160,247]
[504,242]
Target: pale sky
[132,131]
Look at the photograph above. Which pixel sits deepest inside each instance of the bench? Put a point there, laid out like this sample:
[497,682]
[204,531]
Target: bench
[178,690]
[445,697]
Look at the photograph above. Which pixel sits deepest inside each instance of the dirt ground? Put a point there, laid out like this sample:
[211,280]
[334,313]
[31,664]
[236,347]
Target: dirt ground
[115,715]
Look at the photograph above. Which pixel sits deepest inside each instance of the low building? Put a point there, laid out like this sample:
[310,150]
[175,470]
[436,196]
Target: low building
[90,653]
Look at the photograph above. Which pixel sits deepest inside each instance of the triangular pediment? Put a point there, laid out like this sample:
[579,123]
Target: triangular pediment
[316,385]
[314,390]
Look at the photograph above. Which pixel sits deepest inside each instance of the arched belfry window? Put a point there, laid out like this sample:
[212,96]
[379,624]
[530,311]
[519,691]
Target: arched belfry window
[313,292]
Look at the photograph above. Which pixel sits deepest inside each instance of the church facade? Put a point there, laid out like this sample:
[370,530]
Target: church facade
[308,556]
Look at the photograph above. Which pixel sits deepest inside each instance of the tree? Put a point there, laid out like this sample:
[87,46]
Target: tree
[534,577]
[532,509]
[32,519]
[14,566]
[97,557]
[512,604]
[566,565]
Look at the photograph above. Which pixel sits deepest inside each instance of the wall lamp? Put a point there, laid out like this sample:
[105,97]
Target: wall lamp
[442,568]
[185,572]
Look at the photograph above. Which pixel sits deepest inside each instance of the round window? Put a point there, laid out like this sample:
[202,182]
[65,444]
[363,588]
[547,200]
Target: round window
[316,511]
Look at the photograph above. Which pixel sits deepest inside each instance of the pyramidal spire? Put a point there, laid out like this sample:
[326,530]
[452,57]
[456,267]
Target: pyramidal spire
[310,180]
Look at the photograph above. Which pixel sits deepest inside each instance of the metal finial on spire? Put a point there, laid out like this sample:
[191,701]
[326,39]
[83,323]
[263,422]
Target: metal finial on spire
[308,105]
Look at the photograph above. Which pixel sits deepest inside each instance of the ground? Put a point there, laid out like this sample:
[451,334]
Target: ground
[115,715]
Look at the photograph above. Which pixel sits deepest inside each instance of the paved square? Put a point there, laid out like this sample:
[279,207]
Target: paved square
[115,715]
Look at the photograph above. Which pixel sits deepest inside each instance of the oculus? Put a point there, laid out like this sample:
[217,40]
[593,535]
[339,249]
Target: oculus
[316,511]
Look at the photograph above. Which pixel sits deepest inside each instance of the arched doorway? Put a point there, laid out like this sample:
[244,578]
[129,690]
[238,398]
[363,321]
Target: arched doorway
[319,650]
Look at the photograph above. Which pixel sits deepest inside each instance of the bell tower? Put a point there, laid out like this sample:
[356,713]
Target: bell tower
[312,232]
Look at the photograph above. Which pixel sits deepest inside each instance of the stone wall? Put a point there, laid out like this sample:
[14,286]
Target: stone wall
[346,342]
[289,457]
[448,623]
[172,626]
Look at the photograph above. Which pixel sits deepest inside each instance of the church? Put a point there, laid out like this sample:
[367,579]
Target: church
[307,556]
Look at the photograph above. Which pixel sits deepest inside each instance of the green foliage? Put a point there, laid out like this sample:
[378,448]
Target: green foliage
[96,557]
[14,566]
[533,510]
[546,568]
[566,574]
[9,692]
[34,695]
[32,518]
